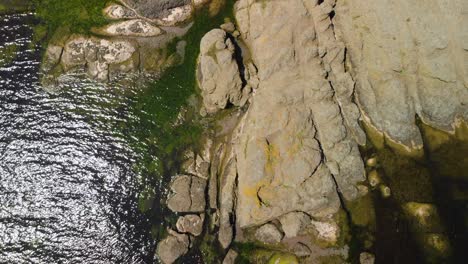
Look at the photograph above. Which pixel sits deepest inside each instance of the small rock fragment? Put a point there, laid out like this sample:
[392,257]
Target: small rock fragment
[374,178]
[192,224]
[371,162]
[385,191]
[230,257]
[228,27]
[301,250]
[327,231]
[293,223]
[268,234]
[115,11]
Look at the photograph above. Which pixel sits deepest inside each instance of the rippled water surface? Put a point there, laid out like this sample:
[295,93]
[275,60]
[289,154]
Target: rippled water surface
[67,190]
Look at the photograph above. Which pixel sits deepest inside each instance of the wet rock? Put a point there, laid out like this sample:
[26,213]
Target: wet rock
[230,257]
[172,247]
[192,224]
[130,28]
[188,194]
[218,72]
[293,223]
[115,11]
[407,60]
[366,258]
[268,234]
[423,216]
[99,57]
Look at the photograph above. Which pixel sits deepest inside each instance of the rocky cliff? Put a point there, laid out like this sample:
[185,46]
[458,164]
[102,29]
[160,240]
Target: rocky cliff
[318,75]
[316,106]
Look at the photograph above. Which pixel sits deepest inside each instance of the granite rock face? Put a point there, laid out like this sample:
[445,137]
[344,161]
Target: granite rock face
[173,247]
[300,133]
[97,56]
[408,58]
[218,72]
[188,194]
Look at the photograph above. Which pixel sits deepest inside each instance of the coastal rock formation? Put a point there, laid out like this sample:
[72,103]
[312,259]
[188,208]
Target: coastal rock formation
[188,194]
[130,28]
[298,138]
[408,58]
[98,56]
[218,72]
[173,247]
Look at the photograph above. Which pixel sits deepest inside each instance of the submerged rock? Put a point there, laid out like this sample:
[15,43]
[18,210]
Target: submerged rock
[173,247]
[366,258]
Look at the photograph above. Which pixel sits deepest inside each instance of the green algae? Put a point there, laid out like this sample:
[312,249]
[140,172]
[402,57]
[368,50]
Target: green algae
[14,6]
[8,54]
[78,15]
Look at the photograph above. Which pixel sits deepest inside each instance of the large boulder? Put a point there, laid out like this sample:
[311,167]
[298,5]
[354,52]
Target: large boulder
[188,194]
[218,72]
[172,247]
[409,58]
[98,57]
[298,138]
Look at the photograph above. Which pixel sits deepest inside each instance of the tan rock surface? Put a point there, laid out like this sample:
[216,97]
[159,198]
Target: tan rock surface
[409,57]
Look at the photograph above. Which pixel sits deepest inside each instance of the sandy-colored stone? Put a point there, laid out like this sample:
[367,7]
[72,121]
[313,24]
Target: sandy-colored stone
[409,58]
[130,28]
[218,72]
